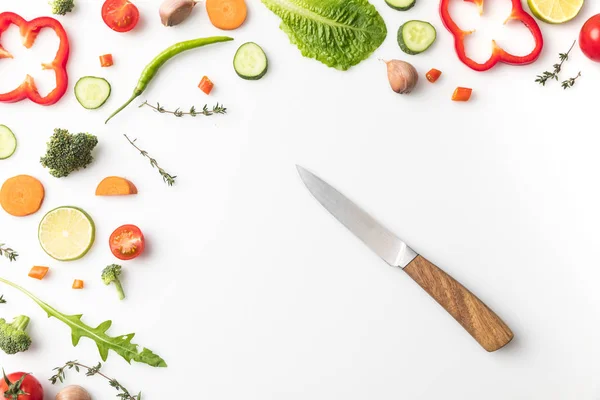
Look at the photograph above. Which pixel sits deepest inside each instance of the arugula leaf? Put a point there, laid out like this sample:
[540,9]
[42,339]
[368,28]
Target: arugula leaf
[339,33]
[120,344]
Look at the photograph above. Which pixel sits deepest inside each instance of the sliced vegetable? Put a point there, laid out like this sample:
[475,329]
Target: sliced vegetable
[589,38]
[106,60]
[38,272]
[66,233]
[67,153]
[433,75]
[127,242]
[78,284]
[115,186]
[339,34]
[21,386]
[174,12]
[401,5]
[206,85]
[414,37]
[120,344]
[29,31]
[8,142]
[498,54]
[151,69]
[462,94]
[22,195]
[250,61]
[14,337]
[226,14]
[403,77]
[120,15]
[92,92]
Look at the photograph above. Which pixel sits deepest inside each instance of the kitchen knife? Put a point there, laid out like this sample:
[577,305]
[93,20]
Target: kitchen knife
[481,322]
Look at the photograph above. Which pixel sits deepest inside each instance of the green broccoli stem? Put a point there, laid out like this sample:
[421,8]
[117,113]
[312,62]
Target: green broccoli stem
[20,322]
[119,289]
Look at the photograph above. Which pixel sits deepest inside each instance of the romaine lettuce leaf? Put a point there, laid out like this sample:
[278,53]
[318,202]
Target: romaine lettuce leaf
[339,33]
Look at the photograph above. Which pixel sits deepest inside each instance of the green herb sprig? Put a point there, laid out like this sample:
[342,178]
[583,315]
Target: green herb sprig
[193,112]
[570,82]
[2,299]
[168,178]
[61,375]
[8,252]
[547,75]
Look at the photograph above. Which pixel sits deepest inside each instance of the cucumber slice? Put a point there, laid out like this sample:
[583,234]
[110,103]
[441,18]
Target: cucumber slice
[415,37]
[8,142]
[401,5]
[92,92]
[250,61]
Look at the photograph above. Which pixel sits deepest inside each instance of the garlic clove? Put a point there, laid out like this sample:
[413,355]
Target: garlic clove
[174,12]
[73,392]
[403,77]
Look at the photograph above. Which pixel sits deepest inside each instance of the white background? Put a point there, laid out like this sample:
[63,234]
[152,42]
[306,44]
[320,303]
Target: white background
[249,289]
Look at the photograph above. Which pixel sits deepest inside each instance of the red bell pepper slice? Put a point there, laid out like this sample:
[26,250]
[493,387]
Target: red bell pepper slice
[498,54]
[29,31]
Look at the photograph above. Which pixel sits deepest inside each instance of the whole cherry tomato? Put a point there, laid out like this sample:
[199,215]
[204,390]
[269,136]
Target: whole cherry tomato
[120,15]
[589,38]
[127,242]
[21,386]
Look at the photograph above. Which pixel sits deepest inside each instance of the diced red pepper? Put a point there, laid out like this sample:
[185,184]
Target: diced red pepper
[462,94]
[433,75]
[29,31]
[77,284]
[38,272]
[106,60]
[206,85]
[498,54]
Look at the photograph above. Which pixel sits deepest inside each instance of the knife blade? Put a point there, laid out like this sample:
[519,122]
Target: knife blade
[477,319]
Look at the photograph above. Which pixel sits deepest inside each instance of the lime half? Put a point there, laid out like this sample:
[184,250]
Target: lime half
[66,233]
[555,11]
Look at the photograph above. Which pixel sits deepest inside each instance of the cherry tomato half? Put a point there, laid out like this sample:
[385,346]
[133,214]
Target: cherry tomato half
[120,15]
[589,38]
[127,242]
[30,385]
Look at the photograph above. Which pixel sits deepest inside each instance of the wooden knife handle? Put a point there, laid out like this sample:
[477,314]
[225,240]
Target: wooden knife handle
[481,322]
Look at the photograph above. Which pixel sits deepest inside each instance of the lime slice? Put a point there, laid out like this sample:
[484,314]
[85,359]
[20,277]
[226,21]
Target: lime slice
[555,11]
[66,233]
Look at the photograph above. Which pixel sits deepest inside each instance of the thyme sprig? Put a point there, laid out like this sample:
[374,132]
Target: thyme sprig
[192,112]
[570,82]
[8,252]
[61,375]
[547,75]
[2,299]
[168,178]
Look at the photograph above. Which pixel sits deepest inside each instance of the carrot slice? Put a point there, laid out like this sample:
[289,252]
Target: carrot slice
[115,186]
[77,284]
[38,272]
[226,14]
[462,94]
[206,85]
[21,195]
[106,60]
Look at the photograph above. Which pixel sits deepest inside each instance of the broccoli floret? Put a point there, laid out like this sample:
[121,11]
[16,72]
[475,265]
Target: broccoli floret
[13,338]
[61,7]
[110,275]
[67,153]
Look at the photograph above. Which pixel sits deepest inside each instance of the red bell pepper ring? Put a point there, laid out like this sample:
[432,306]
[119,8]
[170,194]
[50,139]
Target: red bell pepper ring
[29,31]
[498,54]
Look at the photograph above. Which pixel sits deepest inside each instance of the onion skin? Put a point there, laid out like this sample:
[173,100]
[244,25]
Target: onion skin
[174,12]
[403,77]
[73,392]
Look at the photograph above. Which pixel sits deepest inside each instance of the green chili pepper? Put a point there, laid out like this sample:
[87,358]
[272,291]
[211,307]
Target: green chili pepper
[151,69]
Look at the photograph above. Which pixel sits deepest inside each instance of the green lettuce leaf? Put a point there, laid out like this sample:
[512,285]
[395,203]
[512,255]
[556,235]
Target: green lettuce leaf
[339,33]
[120,344]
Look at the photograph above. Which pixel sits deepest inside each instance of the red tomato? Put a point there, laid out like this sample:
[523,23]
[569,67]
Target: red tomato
[589,38]
[127,242]
[120,15]
[30,385]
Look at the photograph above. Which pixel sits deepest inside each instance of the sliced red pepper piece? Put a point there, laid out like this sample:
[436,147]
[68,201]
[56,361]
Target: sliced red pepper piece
[29,31]
[498,54]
